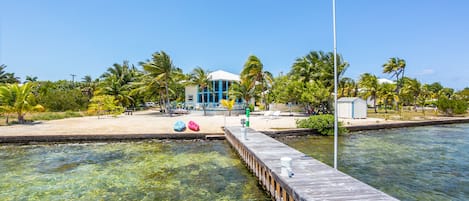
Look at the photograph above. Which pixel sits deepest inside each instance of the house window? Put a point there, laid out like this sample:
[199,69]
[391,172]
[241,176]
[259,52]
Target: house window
[190,98]
[217,86]
[224,84]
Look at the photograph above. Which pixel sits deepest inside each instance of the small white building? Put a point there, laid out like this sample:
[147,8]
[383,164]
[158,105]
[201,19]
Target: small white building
[351,108]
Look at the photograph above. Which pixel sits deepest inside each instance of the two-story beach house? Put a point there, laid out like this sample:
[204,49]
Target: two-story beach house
[221,82]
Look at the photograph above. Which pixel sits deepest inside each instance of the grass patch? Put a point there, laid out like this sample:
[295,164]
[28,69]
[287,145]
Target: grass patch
[407,114]
[41,116]
[53,115]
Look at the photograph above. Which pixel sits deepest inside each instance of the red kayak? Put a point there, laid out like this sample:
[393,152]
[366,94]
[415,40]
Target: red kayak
[193,126]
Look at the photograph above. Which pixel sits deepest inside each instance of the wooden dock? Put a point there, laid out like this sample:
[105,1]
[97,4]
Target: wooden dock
[312,180]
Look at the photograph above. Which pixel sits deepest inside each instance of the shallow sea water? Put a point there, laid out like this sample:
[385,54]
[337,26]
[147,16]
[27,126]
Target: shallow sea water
[176,170]
[422,163]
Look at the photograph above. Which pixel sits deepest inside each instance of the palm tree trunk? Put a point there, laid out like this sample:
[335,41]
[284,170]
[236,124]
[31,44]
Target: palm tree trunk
[168,109]
[374,103]
[20,118]
[385,106]
[203,103]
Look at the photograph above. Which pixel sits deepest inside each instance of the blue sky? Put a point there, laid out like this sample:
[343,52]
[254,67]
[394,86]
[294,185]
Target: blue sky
[52,39]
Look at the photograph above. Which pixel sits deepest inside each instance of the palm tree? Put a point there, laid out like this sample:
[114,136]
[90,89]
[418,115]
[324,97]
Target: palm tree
[117,82]
[308,67]
[242,90]
[253,70]
[7,78]
[424,95]
[121,93]
[396,67]
[348,87]
[387,94]
[370,85]
[17,99]
[88,86]
[30,79]
[201,78]
[125,73]
[161,68]
[411,89]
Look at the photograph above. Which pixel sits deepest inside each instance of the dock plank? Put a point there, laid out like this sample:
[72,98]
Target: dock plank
[313,180]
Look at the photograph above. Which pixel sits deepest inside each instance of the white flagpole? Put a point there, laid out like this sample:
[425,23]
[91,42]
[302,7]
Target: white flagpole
[335,87]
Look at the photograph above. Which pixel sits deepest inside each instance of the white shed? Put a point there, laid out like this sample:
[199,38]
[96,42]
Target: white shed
[351,108]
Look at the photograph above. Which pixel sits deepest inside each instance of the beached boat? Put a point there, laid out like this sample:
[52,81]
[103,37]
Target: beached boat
[179,126]
[193,126]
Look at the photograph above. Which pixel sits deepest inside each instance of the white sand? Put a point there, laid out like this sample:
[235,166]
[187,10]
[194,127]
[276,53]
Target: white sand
[141,123]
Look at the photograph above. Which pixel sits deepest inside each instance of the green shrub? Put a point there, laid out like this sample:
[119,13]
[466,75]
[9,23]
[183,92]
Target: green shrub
[451,106]
[323,124]
[251,107]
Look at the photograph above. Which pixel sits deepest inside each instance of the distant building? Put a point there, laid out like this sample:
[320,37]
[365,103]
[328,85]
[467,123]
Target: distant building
[351,108]
[370,101]
[384,80]
[221,83]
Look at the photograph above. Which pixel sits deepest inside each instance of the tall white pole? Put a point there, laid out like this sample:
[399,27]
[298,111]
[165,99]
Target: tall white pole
[335,87]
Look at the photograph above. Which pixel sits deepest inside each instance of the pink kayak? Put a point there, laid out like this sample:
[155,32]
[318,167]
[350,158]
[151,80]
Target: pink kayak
[193,126]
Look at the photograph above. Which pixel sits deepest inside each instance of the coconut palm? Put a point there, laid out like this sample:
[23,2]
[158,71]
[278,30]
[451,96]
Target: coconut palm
[261,80]
[161,68]
[369,85]
[411,90]
[30,79]
[88,86]
[387,94]
[318,66]
[424,95]
[17,99]
[242,90]
[308,67]
[7,77]
[124,73]
[396,67]
[121,93]
[201,78]
[347,87]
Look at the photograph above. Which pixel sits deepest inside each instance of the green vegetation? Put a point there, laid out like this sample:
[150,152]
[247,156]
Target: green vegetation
[201,79]
[7,78]
[54,115]
[228,104]
[309,84]
[451,106]
[104,104]
[17,100]
[323,124]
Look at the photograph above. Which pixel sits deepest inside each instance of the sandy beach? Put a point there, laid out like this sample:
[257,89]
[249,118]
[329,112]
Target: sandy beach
[143,122]
[152,122]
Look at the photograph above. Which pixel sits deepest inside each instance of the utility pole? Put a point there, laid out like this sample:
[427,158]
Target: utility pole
[73,79]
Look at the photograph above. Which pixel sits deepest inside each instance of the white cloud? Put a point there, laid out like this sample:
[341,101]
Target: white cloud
[427,71]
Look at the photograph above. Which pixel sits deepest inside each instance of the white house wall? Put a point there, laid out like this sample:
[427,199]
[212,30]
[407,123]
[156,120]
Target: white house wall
[344,110]
[191,90]
[360,109]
